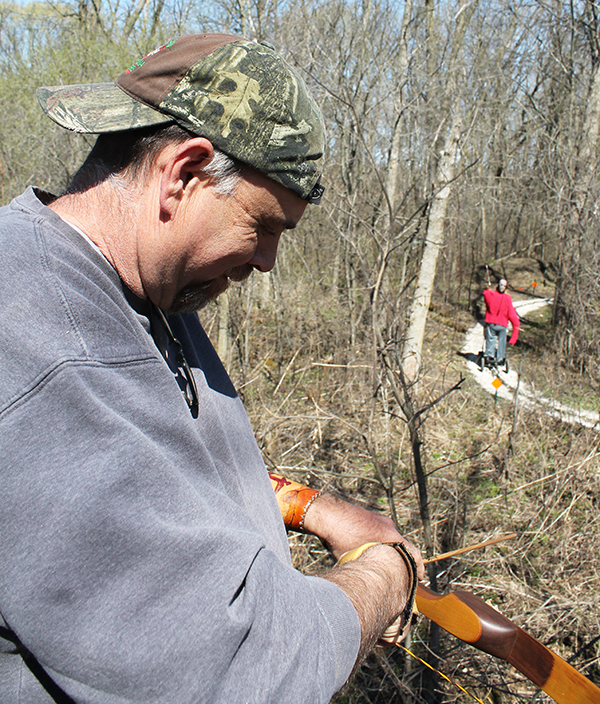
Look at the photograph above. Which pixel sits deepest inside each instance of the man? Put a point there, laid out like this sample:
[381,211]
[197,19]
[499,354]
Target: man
[499,310]
[144,556]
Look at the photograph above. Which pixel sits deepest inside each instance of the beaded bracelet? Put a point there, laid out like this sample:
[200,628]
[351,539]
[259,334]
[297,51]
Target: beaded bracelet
[293,499]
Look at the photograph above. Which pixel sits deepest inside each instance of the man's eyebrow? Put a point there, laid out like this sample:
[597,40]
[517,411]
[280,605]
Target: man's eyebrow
[290,224]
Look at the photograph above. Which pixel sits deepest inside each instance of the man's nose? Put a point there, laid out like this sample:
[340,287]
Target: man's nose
[266,253]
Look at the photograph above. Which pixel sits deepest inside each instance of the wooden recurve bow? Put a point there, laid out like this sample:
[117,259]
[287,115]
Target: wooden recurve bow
[471,620]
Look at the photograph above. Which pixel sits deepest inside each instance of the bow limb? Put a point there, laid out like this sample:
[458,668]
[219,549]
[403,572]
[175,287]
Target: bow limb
[471,620]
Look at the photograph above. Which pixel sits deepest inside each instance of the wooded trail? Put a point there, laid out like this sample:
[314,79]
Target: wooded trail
[515,386]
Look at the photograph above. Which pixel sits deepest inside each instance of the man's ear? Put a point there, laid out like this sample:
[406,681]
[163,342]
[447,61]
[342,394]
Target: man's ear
[181,168]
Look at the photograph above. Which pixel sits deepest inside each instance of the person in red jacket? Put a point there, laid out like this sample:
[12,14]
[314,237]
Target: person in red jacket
[499,311]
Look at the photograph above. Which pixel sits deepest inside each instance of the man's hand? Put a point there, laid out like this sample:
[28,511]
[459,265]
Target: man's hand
[380,581]
[342,526]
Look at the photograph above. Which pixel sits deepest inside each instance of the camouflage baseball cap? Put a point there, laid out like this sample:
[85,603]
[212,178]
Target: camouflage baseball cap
[238,94]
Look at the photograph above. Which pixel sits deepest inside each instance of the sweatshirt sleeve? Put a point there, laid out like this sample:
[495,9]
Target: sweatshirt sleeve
[514,319]
[130,572]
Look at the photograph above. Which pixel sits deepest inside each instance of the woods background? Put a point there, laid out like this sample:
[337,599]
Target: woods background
[459,134]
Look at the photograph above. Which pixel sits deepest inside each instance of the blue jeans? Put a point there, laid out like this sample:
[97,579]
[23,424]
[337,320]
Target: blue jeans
[495,334]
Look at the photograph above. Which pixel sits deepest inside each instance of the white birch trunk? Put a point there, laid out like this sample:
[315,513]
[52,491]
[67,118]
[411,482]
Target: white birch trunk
[434,240]
[224,342]
[434,237]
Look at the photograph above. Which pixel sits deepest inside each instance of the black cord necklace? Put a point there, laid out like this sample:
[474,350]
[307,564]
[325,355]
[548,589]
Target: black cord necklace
[172,352]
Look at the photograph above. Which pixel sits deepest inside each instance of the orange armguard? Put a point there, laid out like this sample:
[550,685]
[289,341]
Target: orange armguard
[293,499]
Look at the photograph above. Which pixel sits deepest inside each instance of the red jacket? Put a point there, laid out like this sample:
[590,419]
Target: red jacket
[499,310]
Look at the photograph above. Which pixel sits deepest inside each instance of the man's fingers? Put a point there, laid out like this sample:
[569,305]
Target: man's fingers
[393,634]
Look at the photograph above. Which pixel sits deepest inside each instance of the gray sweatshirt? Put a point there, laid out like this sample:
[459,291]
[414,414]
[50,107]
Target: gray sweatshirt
[142,554]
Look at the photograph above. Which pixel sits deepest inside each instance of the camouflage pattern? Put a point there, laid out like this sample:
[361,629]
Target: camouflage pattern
[241,96]
[96,108]
[254,107]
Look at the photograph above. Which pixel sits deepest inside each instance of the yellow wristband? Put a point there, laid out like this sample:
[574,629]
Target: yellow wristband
[352,555]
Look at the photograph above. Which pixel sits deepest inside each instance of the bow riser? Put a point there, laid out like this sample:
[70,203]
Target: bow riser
[472,620]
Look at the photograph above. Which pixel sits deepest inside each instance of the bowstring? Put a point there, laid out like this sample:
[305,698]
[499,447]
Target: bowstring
[416,657]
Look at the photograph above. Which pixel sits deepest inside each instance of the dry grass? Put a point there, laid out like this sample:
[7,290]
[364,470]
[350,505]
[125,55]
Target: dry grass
[492,469]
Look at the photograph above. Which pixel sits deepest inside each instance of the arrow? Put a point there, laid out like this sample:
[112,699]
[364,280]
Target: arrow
[469,548]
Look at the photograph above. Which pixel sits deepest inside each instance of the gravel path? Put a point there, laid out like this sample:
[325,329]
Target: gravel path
[511,385]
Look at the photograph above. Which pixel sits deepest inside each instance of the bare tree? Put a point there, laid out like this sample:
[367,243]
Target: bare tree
[445,163]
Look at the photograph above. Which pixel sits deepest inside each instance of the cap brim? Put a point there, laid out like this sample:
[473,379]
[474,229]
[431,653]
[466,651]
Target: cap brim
[95,108]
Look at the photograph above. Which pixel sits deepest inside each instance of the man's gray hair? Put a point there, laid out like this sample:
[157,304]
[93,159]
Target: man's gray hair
[224,172]
[123,157]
